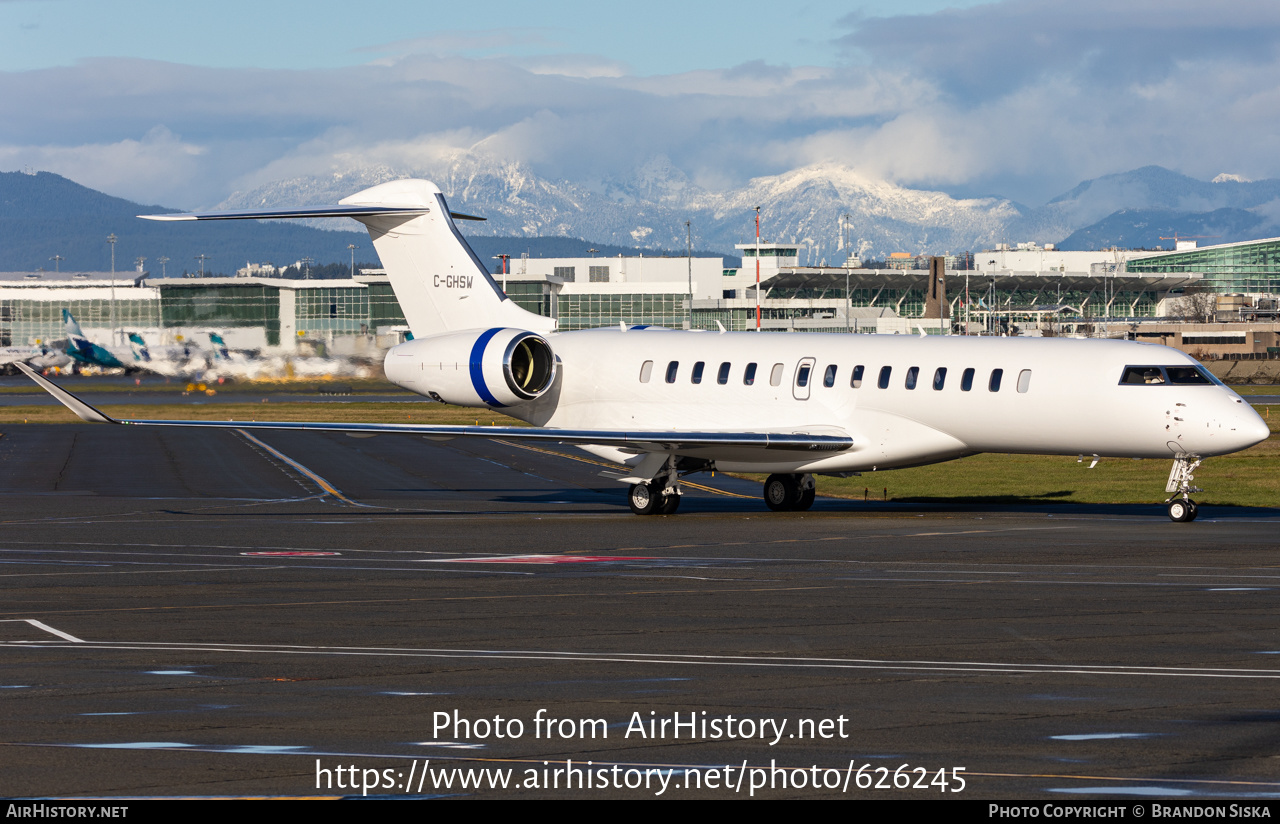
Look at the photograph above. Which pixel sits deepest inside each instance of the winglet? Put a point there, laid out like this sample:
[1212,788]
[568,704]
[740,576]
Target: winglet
[83,410]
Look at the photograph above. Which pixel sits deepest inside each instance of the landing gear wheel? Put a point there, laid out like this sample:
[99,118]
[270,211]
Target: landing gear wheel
[806,499]
[781,493]
[1182,510]
[669,505]
[642,499]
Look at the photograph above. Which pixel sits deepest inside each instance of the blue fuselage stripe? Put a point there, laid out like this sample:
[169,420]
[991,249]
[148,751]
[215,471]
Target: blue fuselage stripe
[477,368]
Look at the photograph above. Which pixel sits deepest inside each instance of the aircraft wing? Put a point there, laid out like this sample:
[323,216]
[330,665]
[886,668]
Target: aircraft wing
[638,442]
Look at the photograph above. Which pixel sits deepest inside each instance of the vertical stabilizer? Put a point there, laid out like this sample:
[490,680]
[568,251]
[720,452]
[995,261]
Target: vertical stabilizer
[71,325]
[439,282]
[139,347]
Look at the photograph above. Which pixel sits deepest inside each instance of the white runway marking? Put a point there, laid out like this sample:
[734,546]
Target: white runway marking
[41,625]
[781,662]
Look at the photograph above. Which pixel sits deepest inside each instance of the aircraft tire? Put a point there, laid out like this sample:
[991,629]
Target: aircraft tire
[1195,509]
[669,505]
[781,493]
[642,499]
[806,499]
[1181,511]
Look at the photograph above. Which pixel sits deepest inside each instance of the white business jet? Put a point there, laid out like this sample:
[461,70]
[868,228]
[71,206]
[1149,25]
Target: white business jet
[666,403]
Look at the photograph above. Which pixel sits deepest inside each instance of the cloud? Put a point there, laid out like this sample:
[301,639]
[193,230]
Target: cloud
[140,169]
[1020,97]
[572,65]
[1045,90]
[996,48]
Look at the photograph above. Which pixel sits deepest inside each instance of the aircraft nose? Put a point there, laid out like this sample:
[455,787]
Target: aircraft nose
[1253,428]
[1247,427]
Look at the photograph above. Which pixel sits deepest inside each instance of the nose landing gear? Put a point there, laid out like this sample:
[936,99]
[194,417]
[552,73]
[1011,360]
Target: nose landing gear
[1181,508]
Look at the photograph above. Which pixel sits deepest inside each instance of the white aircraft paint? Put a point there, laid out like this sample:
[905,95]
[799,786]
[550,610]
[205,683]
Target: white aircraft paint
[631,395]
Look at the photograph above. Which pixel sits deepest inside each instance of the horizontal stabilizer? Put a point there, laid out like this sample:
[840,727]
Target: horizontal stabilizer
[308,211]
[638,442]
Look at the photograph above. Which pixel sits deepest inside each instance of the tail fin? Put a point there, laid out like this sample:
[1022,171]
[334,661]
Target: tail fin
[72,327]
[439,282]
[139,347]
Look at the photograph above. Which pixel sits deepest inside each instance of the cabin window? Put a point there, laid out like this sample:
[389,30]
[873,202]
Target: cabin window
[856,380]
[646,371]
[775,377]
[749,376]
[912,375]
[966,380]
[697,372]
[994,383]
[885,371]
[722,377]
[829,377]
[802,376]
[672,369]
[1024,381]
[939,378]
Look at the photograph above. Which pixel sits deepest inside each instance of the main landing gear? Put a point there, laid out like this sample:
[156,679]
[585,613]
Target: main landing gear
[1181,508]
[653,499]
[789,493]
[660,496]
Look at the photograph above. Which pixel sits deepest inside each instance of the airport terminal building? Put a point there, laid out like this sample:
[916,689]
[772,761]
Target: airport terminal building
[1027,289]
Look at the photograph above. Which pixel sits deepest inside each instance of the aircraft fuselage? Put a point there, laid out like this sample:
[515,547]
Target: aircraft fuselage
[904,400]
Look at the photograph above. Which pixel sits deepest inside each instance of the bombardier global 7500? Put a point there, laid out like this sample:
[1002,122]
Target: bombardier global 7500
[664,403]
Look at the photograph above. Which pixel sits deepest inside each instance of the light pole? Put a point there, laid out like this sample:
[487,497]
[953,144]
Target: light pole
[56,259]
[966,301]
[848,298]
[202,258]
[111,239]
[352,248]
[757,268]
[688,229]
[504,259]
[163,261]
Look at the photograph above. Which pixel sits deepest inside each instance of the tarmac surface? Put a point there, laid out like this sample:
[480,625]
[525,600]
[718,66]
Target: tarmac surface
[206,613]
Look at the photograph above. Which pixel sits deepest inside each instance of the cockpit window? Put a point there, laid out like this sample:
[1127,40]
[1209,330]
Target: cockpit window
[1161,375]
[1188,374]
[1142,375]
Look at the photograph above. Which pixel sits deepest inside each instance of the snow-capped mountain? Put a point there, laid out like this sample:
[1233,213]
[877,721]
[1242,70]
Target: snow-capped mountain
[650,206]
[1115,209]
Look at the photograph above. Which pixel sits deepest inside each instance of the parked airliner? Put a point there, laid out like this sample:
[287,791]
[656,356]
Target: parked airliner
[667,403]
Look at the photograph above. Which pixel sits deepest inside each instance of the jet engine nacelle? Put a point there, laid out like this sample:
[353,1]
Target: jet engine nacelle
[490,367]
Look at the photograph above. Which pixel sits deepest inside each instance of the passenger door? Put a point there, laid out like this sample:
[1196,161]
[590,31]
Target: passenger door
[803,379]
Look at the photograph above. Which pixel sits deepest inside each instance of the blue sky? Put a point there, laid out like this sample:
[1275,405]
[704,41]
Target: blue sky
[651,38]
[184,103]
